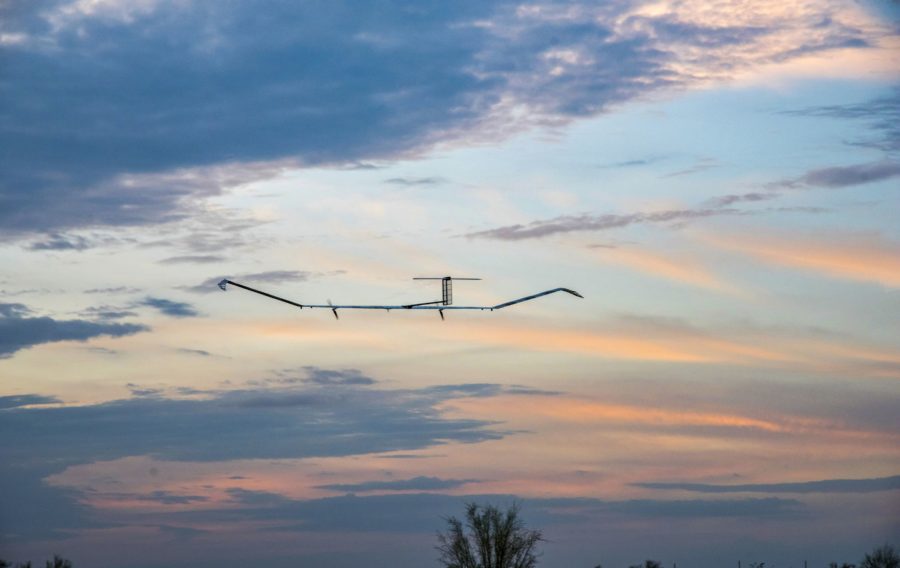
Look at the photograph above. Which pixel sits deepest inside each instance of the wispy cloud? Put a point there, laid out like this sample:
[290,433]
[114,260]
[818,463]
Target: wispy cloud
[881,113]
[647,338]
[420,483]
[669,266]
[170,307]
[750,197]
[634,162]
[113,290]
[415,181]
[700,165]
[647,342]
[332,377]
[169,498]
[854,257]
[193,259]
[824,486]
[587,222]
[106,312]
[200,352]
[834,177]
[210,285]
[15,401]
[57,241]
[846,176]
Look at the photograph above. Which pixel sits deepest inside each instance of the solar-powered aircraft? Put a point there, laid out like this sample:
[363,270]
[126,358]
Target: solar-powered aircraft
[445,303]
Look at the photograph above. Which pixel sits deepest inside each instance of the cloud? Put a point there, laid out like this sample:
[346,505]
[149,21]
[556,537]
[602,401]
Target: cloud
[13,310]
[168,498]
[330,377]
[528,391]
[751,197]
[669,266]
[634,162]
[137,390]
[24,292]
[200,352]
[420,483]
[181,533]
[256,498]
[15,401]
[419,513]
[102,351]
[18,331]
[32,509]
[831,178]
[170,307]
[304,421]
[269,277]
[698,508]
[108,312]
[193,259]
[487,390]
[169,123]
[882,113]
[165,306]
[57,241]
[701,165]
[846,176]
[408,182]
[309,420]
[586,222]
[113,290]
[866,258]
[824,486]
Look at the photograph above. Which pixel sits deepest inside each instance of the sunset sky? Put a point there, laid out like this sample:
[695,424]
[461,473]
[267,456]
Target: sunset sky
[718,178]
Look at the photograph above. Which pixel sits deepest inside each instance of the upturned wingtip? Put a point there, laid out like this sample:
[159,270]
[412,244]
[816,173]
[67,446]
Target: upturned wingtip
[223,284]
[574,293]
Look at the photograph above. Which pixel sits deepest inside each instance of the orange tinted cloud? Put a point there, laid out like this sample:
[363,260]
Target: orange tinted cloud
[561,409]
[869,259]
[680,269]
[680,346]
[664,425]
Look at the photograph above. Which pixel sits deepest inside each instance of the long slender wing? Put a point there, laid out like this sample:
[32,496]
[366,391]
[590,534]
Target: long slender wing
[421,306]
[538,295]
[503,305]
[225,282]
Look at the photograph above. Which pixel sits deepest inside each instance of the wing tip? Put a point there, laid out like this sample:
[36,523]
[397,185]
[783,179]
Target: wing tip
[573,292]
[223,284]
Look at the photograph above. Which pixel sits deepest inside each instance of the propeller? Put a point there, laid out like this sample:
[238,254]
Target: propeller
[333,309]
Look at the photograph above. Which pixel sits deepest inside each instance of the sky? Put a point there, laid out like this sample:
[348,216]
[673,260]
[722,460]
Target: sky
[718,179]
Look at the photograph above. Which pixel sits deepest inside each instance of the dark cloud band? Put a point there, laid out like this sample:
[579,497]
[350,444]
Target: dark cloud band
[823,486]
[102,126]
[19,331]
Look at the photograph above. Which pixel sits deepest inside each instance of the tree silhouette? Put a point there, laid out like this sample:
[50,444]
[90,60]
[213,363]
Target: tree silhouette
[489,538]
[57,562]
[882,557]
[648,564]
